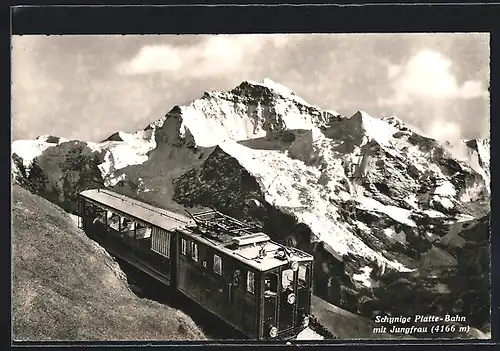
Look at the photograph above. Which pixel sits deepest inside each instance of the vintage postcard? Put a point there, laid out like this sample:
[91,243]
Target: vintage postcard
[251,187]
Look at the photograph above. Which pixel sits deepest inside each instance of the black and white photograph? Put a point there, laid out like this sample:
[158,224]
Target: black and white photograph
[272,187]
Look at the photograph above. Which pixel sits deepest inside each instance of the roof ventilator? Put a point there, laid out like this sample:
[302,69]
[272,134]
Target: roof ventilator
[250,239]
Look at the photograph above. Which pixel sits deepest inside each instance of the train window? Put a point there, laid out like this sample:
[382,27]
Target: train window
[100,217]
[287,279]
[142,231]
[194,251]
[236,277]
[251,282]
[127,227]
[126,223]
[303,275]
[270,285]
[88,208]
[113,220]
[183,246]
[217,265]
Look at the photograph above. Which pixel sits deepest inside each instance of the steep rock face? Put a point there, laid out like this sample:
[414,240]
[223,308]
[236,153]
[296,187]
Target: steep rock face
[57,168]
[479,151]
[250,111]
[377,203]
[474,263]
[60,172]
[461,287]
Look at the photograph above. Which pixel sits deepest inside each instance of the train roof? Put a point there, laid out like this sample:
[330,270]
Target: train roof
[250,254]
[156,216]
[242,241]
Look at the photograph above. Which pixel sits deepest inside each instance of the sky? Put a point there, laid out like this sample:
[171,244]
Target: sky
[88,87]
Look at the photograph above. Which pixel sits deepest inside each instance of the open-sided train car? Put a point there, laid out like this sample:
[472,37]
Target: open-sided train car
[228,267]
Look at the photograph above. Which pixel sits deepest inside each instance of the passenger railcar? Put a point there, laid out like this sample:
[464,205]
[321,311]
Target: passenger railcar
[230,268]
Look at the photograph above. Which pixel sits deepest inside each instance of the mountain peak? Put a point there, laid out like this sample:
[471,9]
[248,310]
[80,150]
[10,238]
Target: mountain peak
[267,87]
[271,84]
[375,128]
[51,139]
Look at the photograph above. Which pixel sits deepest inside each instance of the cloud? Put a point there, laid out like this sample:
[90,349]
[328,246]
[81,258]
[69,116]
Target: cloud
[427,75]
[211,56]
[445,130]
[70,86]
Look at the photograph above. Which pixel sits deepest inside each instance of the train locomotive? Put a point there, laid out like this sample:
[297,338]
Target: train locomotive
[228,267]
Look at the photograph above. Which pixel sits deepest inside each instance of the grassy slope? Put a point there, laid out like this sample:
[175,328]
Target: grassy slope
[66,287]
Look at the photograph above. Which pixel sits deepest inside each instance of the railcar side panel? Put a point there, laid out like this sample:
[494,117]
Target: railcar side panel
[224,292]
[131,239]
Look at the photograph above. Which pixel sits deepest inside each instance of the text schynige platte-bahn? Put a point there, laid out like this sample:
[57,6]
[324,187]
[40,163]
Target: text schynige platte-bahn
[419,319]
[421,324]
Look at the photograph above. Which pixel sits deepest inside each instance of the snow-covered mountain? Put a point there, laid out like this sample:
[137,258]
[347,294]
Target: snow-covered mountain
[373,200]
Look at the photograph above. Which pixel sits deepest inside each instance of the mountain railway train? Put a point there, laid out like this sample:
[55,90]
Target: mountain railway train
[228,267]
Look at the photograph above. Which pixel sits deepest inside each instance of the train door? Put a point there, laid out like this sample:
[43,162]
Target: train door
[271,281]
[287,297]
[304,293]
[241,295]
[234,279]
